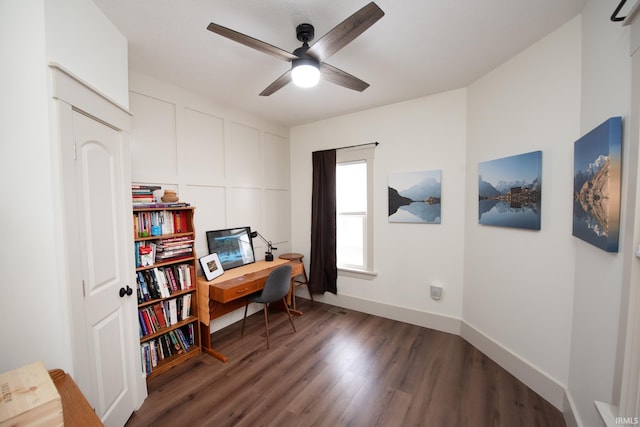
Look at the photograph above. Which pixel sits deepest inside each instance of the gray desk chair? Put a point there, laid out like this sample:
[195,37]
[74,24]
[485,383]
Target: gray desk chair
[275,289]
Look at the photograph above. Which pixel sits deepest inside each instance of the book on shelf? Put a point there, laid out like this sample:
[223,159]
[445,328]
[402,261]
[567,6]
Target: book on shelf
[150,317]
[174,341]
[145,187]
[152,284]
[172,279]
[174,243]
[173,255]
[147,254]
[161,205]
[173,311]
[154,351]
[142,198]
[186,306]
[189,332]
[154,354]
[144,290]
[162,348]
[144,330]
[183,339]
[161,279]
[145,323]
[159,310]
[180,222]
[143,359]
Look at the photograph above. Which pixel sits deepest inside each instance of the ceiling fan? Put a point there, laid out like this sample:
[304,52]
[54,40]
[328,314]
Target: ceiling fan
[310,59]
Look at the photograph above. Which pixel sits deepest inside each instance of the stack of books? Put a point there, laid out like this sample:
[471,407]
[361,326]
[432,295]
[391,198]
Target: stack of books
[173,247]
[143,194]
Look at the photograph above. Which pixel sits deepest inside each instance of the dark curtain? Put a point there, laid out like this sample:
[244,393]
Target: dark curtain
[323,266]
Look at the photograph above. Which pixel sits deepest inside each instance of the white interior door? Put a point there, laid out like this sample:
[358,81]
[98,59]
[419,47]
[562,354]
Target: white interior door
[98,205]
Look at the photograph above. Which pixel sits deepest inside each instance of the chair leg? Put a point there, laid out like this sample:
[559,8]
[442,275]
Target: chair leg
[289,314]
[293,292]
[266,322]
[309,288]
[306,280]
[244,318]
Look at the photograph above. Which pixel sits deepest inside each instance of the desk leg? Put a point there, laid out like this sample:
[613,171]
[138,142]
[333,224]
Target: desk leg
[211,352]
[205,340]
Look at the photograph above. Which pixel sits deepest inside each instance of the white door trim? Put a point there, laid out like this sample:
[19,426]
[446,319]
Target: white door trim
[72,94]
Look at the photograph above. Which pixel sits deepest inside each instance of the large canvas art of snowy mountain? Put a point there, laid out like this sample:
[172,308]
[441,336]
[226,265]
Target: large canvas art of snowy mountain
[415,197]
[596,185]
[509,191]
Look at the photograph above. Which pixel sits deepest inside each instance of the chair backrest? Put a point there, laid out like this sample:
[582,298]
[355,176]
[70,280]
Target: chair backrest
[277,284]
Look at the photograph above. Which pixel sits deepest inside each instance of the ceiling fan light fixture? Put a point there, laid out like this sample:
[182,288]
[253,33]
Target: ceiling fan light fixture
[305,73]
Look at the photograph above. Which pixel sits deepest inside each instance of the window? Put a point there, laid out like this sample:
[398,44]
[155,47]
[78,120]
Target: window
[354,201]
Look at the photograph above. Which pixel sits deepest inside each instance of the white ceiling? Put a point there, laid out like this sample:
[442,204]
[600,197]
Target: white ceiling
[419,48]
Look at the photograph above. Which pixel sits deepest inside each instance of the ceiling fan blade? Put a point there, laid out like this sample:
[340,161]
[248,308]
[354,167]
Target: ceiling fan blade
[280,82]
[345,32]
[341,78]
[251,42]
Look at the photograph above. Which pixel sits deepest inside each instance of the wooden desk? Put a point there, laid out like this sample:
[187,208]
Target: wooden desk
[227,293]
[76,410]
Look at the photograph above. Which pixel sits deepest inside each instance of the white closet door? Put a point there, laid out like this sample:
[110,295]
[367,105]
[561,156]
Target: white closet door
[96,229]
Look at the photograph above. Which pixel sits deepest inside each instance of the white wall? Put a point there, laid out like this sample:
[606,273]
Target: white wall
[234,168]
[422,134]
[82,39]
[29,294]
[518,283]
[606,92]
[34,303]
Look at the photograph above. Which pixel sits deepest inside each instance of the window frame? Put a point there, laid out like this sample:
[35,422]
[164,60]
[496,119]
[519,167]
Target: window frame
[352,155]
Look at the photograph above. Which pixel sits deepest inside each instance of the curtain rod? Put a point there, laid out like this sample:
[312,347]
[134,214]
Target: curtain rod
[375,144]
[614,16]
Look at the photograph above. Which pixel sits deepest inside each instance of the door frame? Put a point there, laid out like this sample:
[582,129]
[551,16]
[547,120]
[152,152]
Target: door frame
[71,93]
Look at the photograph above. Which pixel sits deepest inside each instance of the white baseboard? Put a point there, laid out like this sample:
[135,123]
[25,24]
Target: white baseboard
[534,378]
[415,317]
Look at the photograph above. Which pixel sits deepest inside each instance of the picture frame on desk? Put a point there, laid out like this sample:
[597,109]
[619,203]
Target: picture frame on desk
[211,266]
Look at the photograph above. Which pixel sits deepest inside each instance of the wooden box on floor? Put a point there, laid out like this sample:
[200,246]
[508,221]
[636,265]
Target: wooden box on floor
[29,397]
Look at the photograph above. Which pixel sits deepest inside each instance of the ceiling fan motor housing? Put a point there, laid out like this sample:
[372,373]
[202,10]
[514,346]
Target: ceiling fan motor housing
[305,32]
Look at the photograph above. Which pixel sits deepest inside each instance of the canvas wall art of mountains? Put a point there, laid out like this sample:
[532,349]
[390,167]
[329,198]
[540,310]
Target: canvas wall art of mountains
[596,185]
[415,197]
[509,191]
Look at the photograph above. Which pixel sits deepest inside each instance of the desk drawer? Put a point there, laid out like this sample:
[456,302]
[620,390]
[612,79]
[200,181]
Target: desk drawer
[234,292]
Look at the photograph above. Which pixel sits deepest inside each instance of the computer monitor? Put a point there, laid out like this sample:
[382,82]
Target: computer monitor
[233,246]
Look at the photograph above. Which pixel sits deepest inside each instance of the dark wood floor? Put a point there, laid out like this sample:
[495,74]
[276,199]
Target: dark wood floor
[341,368]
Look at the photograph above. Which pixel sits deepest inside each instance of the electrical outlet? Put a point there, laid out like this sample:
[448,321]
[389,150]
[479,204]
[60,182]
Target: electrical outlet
[436,292]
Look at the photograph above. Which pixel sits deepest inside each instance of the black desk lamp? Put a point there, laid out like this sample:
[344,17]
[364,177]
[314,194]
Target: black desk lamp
[268,256]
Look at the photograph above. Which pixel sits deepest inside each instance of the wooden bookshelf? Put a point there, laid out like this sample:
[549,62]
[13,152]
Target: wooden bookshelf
[166,287]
